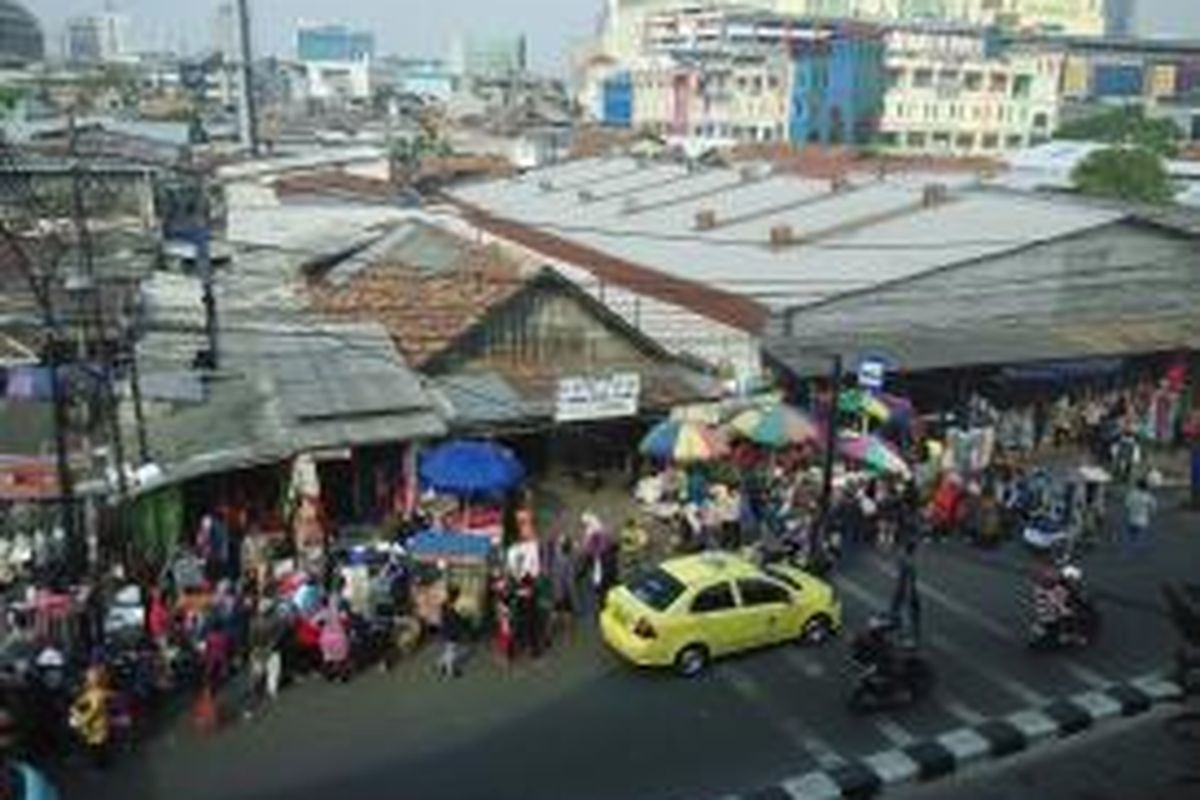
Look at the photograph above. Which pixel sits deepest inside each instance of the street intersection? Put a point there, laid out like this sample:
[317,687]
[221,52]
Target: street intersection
[581,724]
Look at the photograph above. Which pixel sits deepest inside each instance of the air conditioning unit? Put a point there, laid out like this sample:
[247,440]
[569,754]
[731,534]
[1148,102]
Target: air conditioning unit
[782,236]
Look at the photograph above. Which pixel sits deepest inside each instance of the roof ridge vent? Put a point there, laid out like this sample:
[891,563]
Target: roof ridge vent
[934,194]
[706,219]
[782,236]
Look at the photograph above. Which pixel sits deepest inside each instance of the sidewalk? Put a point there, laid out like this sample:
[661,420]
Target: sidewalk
[1129,760]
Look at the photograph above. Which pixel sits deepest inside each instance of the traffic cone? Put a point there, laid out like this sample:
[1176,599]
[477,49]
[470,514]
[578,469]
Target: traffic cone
[204,712]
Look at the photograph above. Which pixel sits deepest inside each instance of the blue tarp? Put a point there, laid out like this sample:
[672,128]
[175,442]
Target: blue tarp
[468,468]
[449,544]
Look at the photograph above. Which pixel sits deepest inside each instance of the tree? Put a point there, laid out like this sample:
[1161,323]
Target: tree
[1128,126]
[1134,174]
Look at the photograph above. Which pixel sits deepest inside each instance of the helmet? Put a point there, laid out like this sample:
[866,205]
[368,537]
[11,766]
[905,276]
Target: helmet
[1072,573]
[879,623]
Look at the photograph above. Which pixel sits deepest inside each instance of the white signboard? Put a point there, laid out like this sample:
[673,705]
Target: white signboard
[608,397]
[871,373]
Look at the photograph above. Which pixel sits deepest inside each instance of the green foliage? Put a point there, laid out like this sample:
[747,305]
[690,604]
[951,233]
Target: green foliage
[1127,126]
[9,98]
[1133,174]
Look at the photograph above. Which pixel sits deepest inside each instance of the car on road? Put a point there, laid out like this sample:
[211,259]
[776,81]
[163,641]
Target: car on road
[690,610]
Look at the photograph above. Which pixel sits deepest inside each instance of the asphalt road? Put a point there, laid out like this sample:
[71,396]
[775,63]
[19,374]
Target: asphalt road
[579,724]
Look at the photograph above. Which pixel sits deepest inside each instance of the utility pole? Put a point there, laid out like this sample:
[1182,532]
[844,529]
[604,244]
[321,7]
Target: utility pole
[246,110]
[89,284]
[835,396]
[40,287]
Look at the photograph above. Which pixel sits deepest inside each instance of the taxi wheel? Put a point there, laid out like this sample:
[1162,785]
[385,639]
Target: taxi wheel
[692,660]
[817,630]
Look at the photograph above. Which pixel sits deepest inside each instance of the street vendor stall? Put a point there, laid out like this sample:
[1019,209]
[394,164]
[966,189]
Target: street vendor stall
[478,474]
[448,558]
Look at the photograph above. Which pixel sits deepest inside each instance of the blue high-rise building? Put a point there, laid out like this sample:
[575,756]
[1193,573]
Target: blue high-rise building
[837,87]
[617,100]
[334,43]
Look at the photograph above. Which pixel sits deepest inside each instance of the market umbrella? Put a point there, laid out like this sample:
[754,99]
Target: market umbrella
[874,453]
[467,468]
[684,442]
[856,401]
[777,426]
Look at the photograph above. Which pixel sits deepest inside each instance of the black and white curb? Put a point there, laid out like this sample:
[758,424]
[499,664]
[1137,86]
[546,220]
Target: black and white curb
[994,739]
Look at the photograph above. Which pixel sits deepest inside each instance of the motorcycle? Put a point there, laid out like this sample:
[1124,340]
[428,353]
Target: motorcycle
[1078,628]
[910,679]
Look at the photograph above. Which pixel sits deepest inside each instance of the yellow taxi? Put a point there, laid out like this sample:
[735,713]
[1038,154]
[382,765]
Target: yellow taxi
[689,610]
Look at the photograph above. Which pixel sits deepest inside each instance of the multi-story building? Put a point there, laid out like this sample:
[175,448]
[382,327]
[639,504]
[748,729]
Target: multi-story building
[491,58]
[333,42]
[1162,76]
[756,77]
[97,39]
[21,39]
[424,77]
[1119,17]
[625,21]
[337,62]
[959,91]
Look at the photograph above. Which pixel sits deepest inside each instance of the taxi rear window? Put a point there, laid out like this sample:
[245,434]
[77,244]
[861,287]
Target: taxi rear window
[656,588]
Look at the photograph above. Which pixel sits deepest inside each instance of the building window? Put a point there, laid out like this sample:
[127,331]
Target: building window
[941,139]
[772,82]
[889,138]
[1013,142]
[923,78]
[916,139]
[973,81]
[999,83]
[965,141]
[948,77]
[991,141]
[1041,120]
[895,77]
[1022,86]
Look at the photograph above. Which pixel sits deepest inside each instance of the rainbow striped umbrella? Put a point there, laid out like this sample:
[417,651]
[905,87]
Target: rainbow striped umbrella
[777,426]
[684,442]
[873,453]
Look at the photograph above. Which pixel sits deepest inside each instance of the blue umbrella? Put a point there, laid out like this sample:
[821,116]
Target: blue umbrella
[469,468]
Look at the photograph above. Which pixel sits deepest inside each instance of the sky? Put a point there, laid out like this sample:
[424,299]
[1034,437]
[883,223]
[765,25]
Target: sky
[424,27]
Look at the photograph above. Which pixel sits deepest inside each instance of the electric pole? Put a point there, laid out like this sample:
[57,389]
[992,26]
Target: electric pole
[90,285]
[835,396]
[246,110]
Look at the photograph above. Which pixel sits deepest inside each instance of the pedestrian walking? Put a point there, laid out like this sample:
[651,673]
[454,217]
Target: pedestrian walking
[454,630]
[90,716]
[334,641]
[905,609]
[1140,506]
[563,571]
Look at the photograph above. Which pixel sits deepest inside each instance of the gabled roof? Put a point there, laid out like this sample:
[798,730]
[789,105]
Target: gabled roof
[769,240]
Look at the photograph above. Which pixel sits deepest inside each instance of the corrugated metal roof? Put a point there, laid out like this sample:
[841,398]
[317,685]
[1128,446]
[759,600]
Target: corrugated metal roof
[283,391]
[872,231]
[918,350]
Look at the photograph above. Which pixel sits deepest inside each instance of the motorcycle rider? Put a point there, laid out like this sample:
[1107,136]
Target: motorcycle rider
[1051,603]
[875,649]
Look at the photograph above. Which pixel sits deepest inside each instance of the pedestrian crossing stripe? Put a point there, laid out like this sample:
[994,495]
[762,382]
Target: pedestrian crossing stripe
[958,748]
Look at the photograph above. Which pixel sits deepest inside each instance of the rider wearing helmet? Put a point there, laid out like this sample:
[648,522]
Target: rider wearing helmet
[875,648]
